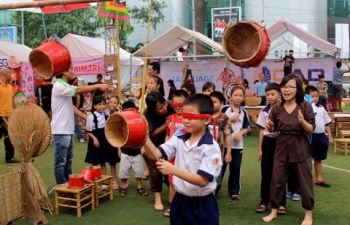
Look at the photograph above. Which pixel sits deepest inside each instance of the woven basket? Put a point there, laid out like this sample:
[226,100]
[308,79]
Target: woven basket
[252,101]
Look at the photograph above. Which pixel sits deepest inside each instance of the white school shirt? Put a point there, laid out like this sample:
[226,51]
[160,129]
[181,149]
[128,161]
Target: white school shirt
[203,157]
[262,118]
[101,121]
[62,121]
[241,123]
[321,119]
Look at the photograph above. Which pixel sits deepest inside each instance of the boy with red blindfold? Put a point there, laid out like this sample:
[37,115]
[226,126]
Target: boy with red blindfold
[197,165]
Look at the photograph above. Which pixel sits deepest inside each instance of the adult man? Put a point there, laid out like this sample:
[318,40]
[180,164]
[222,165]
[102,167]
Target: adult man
[337,84]
[186,61]
[43,96]
[62,123]
[288,61]
[153,69]
[98,91]
[259,89]
[6,108]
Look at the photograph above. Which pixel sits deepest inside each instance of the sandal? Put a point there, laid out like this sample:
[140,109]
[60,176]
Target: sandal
[142,192]
[235,197]
[322,183]
[166,213]
[158,207]
[122,192]
[282,210]
[260,209]
[115,185]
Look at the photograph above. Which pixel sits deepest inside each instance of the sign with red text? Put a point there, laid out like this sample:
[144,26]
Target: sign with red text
[214,71]
[88,66]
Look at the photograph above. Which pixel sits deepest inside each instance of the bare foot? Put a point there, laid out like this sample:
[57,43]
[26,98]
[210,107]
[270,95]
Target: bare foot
[271,216]
[307,218]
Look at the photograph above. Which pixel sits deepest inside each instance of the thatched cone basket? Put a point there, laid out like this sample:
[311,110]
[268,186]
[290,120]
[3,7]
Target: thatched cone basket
[30,133]
[245,43]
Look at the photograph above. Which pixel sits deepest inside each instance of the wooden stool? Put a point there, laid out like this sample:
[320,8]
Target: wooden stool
[341,144]
[344,133]
[103,187]
[81,197]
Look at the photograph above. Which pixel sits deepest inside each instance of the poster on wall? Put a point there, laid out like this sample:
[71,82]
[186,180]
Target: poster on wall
[27,80]
[220,17]
[8,34]
[215,71]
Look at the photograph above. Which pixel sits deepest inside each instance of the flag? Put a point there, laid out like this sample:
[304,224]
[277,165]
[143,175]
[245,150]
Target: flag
[115,11]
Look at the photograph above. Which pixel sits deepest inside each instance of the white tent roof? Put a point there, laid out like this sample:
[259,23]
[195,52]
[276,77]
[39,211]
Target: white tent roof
[82,47]
[282,26]
[21,52]
[173,39]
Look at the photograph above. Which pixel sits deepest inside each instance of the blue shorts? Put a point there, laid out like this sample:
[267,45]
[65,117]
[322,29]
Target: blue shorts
[320,144]
[194,210]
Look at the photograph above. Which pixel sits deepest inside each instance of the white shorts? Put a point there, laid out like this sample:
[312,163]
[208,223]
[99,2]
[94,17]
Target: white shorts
[127,162]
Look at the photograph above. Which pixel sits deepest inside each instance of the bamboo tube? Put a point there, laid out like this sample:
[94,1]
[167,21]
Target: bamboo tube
[21,5]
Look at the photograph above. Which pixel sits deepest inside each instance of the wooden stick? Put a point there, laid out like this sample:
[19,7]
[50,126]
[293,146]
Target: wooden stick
[44,3]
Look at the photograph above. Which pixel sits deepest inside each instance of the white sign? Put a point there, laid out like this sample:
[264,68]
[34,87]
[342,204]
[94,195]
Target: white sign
[213,71]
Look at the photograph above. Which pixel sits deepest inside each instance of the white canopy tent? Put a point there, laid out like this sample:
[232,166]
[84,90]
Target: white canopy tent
[21,52]
[283,26]
[83,47]
[176,37]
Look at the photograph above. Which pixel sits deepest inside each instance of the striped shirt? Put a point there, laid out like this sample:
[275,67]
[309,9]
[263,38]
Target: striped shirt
[338,76]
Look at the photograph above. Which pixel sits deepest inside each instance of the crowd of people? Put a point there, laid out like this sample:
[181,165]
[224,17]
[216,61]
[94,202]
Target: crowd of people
[199,135]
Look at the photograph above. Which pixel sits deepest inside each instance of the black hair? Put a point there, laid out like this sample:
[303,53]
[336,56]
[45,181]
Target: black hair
[128,105]
[59,75]
[152,99]
[338,64]
[218,95]
[202,102]
[171,82]
[99,75]
[155,66]
[235,88]
[256,81]
[309,89]
[159,81]
[273,86]
[299,97]
[189,87]
[181,49]
[48,79]
[208,85]
[72,80]
[245,81]
[97,100]
[291,51]
[180,93]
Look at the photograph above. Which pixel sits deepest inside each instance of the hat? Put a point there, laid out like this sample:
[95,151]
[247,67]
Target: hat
[320,76]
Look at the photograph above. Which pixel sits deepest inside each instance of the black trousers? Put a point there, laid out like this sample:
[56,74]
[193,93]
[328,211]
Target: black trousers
[9,149]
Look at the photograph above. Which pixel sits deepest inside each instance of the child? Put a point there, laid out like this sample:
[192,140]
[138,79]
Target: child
[190,88]
[156,114]
[197,165]
[293,118]
[222,132]
[320,141]
[155,83]
[208,88]
[175,128]
[267,144]
[239,119]
[130,159]
[288,61]
[99,150]
[322,88]
[113,105]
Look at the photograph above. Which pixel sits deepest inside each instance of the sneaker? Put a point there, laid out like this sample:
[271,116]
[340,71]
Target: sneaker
[296,197]
[81,140]
[289,194]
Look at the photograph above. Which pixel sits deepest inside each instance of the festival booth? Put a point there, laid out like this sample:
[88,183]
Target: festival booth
[88,59]
[213,70]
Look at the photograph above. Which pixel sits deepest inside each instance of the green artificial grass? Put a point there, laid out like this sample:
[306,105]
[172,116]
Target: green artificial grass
[332,204]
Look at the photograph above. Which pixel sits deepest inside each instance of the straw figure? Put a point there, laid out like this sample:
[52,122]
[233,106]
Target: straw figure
[30,133]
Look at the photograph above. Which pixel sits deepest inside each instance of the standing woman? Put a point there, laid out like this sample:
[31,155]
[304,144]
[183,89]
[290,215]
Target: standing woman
[294,119]
[156,114]
[172,89]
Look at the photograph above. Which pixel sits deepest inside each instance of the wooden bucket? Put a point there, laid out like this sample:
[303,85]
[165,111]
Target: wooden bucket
[245,43]
[50,59]
[127,129]
[76,181]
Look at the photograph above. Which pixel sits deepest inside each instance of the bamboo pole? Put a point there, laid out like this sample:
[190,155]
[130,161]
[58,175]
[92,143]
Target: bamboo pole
[118,57]
[40,4]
